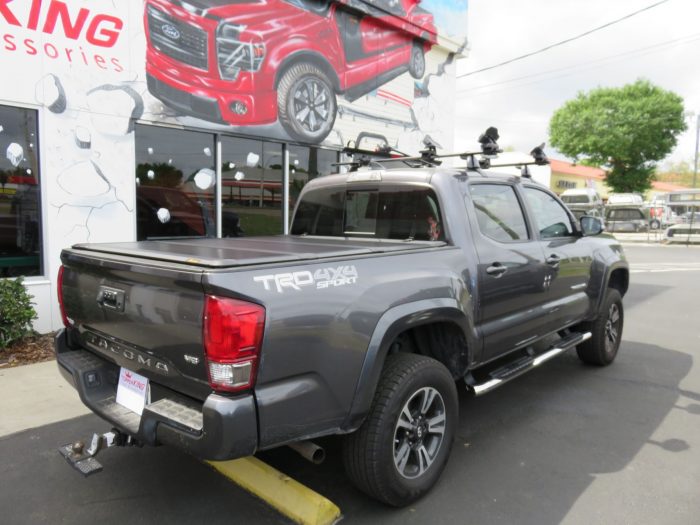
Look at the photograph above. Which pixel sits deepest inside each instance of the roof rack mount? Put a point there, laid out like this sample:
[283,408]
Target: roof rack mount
[429,157]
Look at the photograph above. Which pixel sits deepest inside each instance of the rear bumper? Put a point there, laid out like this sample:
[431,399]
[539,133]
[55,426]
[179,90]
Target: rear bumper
[220,428]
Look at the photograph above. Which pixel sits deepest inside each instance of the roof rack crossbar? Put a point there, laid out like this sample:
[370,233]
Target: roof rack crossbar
[429,157]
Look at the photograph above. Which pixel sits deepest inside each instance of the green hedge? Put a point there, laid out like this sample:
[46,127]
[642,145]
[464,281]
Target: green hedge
[16,312]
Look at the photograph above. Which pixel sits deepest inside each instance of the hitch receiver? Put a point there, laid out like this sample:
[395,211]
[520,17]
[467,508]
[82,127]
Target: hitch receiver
[83,460]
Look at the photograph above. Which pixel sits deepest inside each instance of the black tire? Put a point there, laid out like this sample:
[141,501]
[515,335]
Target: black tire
[306,103]
[416,65]
[606,332]
[374,455]
[654,224]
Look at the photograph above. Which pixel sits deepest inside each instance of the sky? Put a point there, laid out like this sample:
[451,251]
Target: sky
[661,45]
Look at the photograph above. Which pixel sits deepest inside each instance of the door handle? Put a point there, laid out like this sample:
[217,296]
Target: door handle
[553,260]
[496,269]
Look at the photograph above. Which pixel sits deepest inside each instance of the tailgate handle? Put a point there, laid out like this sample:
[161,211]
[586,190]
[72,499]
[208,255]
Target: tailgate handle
[111,298]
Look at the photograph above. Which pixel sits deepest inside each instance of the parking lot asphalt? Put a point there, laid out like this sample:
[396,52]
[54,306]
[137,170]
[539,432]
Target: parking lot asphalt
[566,443]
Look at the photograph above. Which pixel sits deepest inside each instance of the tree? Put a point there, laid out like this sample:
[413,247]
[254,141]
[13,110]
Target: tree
[626,130]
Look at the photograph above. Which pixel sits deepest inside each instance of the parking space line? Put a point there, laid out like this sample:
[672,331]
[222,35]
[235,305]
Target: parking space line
[296,501]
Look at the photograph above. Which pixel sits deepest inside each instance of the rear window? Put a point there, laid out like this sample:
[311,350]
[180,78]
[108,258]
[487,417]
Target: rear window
[390,213]
[575,199]
[624,215]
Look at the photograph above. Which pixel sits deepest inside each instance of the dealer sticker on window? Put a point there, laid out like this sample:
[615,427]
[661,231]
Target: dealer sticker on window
[132,390]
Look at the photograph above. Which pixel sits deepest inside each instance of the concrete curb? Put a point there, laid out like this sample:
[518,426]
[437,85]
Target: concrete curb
[36,395]
[291,498]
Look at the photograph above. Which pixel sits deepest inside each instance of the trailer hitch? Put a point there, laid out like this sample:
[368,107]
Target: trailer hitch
[83,459]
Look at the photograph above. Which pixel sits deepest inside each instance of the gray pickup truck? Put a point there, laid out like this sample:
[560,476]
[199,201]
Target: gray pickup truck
[394,287]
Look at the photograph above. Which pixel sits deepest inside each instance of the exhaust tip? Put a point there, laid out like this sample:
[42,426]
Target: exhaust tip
[309,451]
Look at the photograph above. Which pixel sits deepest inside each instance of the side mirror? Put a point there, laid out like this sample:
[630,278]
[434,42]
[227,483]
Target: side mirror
[591,225]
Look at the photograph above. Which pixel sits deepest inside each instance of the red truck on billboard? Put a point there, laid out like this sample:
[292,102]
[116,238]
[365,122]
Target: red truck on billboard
[250,62]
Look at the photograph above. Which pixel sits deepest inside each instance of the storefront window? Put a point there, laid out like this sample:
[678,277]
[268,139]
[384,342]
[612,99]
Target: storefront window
[175,183]
[251,179]
[20,211]
[306,164]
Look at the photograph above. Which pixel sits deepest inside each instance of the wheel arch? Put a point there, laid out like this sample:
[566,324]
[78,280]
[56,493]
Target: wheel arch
[309,57]
[619,279]
[414,318]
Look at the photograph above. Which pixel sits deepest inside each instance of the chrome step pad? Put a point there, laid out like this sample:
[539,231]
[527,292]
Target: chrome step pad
[519,366]
[185,416]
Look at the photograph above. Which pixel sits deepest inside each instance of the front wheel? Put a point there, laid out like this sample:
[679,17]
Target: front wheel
[401,449]
[606,332]
[306,103]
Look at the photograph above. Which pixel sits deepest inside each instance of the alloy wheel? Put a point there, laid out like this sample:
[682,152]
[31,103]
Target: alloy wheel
[419,432]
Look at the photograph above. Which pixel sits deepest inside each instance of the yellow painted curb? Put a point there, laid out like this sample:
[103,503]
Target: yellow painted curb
[291,498]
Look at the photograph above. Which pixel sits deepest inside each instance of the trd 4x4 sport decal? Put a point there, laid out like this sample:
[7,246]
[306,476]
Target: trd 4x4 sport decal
[322,278]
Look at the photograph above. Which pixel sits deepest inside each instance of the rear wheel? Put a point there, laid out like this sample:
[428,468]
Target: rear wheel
[606,332]
[399,452]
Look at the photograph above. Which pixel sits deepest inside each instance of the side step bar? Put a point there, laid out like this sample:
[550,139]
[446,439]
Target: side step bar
[516,368]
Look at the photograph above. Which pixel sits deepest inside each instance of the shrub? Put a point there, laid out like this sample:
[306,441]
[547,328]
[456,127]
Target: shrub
[16,312]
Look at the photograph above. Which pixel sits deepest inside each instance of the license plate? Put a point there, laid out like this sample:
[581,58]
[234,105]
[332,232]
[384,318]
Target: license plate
[132,390]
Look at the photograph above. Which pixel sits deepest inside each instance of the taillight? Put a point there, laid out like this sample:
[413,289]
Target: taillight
[67,322]
[233,333]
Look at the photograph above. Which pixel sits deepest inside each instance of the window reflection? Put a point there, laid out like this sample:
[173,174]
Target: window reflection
[175,183]
[306,164]
[20,213]
[251,179]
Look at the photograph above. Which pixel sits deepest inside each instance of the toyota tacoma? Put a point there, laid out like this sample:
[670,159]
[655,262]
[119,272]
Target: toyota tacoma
[396,286]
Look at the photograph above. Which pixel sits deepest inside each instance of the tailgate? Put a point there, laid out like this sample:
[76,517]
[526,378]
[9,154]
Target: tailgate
[144,315]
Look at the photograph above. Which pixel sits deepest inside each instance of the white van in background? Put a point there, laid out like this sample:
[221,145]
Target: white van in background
[585,201]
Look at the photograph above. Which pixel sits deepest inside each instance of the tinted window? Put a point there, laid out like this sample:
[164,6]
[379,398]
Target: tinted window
[498,212]
[551,218]
[306,164]
[575,199]
[175,183]
[20,213]
[251,176]
[399,213]
[625,214]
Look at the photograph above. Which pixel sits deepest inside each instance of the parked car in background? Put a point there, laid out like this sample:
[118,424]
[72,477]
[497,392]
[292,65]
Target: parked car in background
[685,207]
[691,216]
[686,232]
[626,218]
[625,199]
[660,215]
[585,201]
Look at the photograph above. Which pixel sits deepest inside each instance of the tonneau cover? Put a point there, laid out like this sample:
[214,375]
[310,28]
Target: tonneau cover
[246,251]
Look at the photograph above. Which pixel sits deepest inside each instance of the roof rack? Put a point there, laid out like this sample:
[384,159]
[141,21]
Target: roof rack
[429,157]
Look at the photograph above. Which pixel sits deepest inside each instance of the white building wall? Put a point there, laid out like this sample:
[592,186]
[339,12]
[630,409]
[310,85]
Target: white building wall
[88,98]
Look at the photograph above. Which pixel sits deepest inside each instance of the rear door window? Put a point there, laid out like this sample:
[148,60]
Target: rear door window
[498,212]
